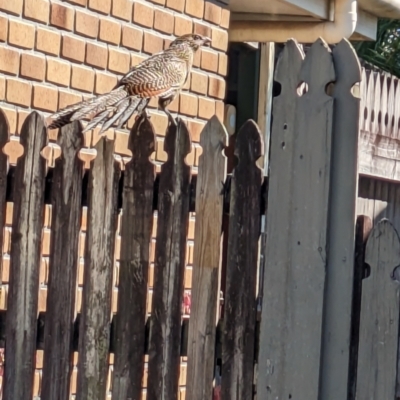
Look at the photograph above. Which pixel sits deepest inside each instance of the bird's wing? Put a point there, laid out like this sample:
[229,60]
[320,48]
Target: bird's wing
[156,76]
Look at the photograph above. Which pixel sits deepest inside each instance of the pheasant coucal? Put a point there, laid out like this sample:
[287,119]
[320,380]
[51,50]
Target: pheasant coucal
[162,75]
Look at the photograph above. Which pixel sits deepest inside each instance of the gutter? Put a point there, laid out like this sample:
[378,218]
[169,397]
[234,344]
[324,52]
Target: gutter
[343,26]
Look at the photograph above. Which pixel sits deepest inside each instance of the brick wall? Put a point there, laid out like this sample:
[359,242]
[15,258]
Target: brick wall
[55,53]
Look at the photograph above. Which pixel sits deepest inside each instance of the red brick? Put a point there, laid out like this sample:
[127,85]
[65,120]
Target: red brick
[152,43]
[163,21]
[188,104]
[223,64]
[206,108]
[160,2]
[2,88]
[96,56]
[195,8]
[195,128]
[11,116]
[86,24]
[118,61]
[143,14]
[225,17]
[177,5]
[197,59]
[19,92]
[209,60]
[45,98]
[132,38]
[3,28]
[122,9]
[102,6]
[33,66]
[82,78]
[199,82]
[182,25]
[73,48]
[216,87]
[58,72]
[159,122]
[104,82]
[219,39]
[11,6]
[167,43]
[136,59]
[110,31]
[38,10]
[220,110]
[66,98]
[82,3]
[212,13]
[202,29]
[48,41]
[21,34]
[9,61]
[62,16]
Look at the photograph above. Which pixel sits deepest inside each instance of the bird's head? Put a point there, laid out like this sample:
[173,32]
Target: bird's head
[194,40]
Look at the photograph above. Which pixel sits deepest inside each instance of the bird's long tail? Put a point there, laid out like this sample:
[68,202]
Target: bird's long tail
[105,110]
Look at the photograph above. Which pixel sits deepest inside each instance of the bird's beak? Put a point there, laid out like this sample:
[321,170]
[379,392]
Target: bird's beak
[206,41]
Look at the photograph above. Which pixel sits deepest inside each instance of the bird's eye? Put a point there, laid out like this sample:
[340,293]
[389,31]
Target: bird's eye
[196,37]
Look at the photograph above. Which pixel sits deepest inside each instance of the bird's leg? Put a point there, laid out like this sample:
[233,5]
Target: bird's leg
[163,103]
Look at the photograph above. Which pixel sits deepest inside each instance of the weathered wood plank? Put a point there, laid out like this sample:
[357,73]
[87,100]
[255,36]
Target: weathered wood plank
[94,328]
[169,268]
[241,272]
[26,241]
[136,229]
[60,308]
[297,216]
[205,286]
[341,231]
[4,138]
[379,322]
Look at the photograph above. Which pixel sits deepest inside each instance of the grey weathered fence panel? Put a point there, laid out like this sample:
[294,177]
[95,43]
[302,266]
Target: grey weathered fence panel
[66,209]
[4,137]
[294,276]
[136,229]
[342,216]
[238,342]
[379,322]
[169,268]
[205,286]
[94,329]
[25,262]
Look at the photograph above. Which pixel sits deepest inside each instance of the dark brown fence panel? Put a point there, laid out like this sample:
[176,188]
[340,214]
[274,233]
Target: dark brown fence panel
[297,217]
[205,286]
[25,261]
[94,329]
[136,229]
[60,308]
[4,137]
[169,267]
[241,271]
[379,322]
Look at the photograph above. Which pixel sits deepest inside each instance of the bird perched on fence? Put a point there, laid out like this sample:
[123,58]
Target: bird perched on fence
[162,75]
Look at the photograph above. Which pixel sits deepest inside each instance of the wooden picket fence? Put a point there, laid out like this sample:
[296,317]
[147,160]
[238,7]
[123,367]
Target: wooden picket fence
[308,311]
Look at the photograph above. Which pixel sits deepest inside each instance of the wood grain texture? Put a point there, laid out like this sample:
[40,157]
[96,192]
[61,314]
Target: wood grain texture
[94,328]
[341,231]
[4,138]
[294,276]
[379,322]
[169,267]
[60,308]
[136,229]
[241,272]
[26,241]
[205,286]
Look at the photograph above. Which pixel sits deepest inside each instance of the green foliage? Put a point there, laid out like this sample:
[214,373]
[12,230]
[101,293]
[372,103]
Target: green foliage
[385,52]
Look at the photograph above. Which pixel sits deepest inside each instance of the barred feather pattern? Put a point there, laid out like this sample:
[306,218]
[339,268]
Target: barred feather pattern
[162,75]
